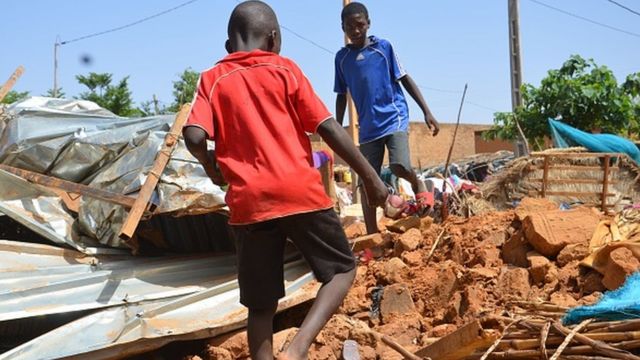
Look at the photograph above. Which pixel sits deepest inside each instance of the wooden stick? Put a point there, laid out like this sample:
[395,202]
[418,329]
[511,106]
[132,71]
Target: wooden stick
[133,218]
[387,340]
[497,342]
[544,334]
[535,354]
[614,326]
[435,245]
[598,346]
[71,187]
[569,337]
[4,90]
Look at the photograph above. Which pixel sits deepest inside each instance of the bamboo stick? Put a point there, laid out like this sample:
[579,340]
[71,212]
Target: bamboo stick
[544,334]
[569,337]
[598,346]
[615,326]
[435,245]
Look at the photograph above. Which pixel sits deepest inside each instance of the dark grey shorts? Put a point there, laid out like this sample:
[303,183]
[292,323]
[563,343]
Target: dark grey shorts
[260,248]
[398,145]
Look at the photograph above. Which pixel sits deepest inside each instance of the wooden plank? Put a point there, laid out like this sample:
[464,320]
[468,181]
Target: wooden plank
[575,193]
[580,155]
[4,90]
[142,201]
[573,168]
[461,343]
[573,181]
[70,187]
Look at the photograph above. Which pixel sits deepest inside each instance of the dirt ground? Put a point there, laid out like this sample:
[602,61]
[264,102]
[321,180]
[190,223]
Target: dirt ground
[482,265]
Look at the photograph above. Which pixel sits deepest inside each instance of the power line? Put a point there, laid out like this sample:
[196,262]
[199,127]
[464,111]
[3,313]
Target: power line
[586,19]
[624,7]
[130,24]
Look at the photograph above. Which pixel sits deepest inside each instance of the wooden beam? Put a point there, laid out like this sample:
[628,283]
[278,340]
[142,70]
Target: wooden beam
[70,187]
[4,90]
[164,155]
[575,193]
[605,183]
[573,181]
[579,155]
[460,343]
[572,168]
[545,176]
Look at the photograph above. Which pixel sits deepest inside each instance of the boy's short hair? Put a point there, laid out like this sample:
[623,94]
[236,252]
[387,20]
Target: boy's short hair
[353,9]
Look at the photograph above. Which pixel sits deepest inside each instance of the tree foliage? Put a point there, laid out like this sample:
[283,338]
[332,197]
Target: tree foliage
[184,89]
[115,98]
[13,96]
[585,95]
[58,94]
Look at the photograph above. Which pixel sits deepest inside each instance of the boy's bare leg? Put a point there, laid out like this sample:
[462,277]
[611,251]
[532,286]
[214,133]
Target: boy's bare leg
[327,301]
[410,175]
[260,332]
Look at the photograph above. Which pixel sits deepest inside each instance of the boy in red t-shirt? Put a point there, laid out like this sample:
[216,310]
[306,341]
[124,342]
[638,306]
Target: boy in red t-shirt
[258,108]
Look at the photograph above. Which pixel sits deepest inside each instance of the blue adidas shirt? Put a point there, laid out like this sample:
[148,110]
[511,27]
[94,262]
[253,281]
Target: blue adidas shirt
[372,75]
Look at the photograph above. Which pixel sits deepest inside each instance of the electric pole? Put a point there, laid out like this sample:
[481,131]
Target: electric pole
[521,145]
[56,45]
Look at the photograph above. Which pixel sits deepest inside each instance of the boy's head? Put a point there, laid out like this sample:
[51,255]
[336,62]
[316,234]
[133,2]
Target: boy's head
[355,23]
[253,25]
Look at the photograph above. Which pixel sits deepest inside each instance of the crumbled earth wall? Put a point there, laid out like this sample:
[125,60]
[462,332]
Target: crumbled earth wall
[482,265]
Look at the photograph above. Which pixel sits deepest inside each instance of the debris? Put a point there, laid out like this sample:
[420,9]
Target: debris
[350,350]
[514,250]
[366,242]
[549,232]
[621,263]
[408,241]
[404,224]
[461,343]
[538,266]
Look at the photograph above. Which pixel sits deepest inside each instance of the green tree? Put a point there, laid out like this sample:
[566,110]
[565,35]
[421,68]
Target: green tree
[184,89]
[115,98]
[59,94]
[13,96]
[585,95]
[152,107]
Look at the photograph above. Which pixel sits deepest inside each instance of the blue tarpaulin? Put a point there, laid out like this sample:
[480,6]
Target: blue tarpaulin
[566,136]
[620,304]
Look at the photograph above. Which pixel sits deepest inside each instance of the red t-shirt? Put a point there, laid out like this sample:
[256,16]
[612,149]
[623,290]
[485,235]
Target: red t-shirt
[258,106]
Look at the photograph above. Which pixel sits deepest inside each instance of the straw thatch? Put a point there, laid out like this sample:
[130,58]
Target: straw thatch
[522,178]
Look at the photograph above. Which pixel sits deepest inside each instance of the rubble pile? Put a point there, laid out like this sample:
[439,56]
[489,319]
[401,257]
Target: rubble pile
[516,262]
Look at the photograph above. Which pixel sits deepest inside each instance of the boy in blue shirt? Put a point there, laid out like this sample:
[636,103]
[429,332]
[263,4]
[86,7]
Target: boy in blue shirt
[370,71]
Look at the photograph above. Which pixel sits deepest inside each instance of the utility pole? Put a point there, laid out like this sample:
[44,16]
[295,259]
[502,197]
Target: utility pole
[56,45]
[353,127]
[521,146]
[156,108]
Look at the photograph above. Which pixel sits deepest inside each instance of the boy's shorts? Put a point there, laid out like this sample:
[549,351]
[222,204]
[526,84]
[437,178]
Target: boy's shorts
[398,145]
[260,248]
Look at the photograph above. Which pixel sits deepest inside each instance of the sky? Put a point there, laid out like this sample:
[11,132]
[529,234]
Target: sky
[442,44]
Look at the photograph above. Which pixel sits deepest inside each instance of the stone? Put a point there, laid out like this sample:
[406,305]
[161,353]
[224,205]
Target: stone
[572,252]
[495,238]
[563,299]
[591,283]
[550,231]
[408,241]
[393,271]
[236,343]
[412,258]
[425,223]
[396,302]
[514,250]
[367,242]
[356,300]
[356,229]
[403,225]
[539,266]
[514,283]
[441,330]
[621,264]
[530,205]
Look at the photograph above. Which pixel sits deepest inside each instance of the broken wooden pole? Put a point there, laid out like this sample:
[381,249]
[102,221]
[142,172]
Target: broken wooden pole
[4,90]
[460,343]
[164,155]
[69,187]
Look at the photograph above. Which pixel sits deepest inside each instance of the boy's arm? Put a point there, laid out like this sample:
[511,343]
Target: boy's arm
[415,93]
[341,106]
[196,141]
[340,142]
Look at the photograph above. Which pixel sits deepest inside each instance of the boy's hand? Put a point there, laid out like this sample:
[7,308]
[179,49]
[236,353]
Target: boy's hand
[432,124]
[376,192]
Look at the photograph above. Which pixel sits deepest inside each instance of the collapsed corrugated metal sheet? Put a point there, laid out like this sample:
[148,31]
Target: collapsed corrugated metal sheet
[146,302]
[79,142]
